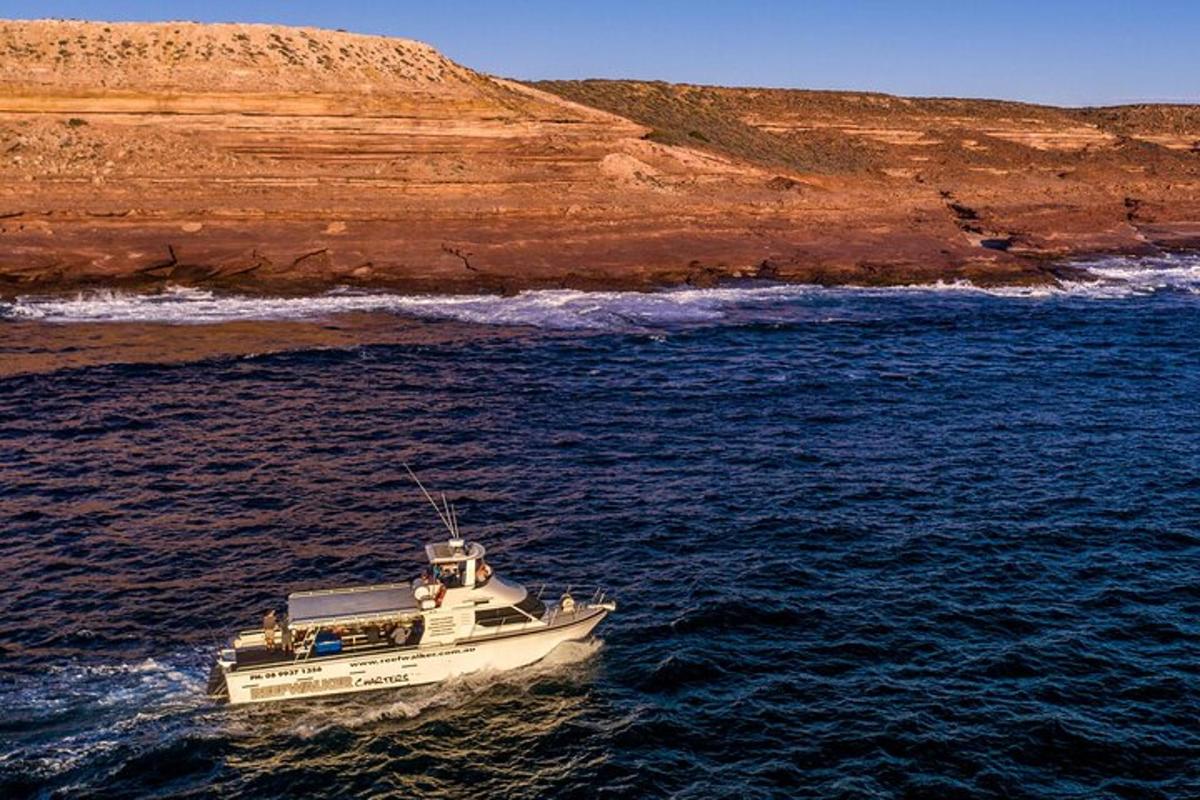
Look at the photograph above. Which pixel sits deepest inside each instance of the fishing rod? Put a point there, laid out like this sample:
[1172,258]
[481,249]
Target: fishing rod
[447,518]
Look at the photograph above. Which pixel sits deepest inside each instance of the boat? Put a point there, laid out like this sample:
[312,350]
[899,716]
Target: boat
[456,618]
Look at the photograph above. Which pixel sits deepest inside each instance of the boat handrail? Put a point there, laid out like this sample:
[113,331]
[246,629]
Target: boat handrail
[596,598]
[305,652]
[531,617]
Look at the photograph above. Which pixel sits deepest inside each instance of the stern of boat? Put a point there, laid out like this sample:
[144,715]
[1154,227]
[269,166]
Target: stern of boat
[218,686]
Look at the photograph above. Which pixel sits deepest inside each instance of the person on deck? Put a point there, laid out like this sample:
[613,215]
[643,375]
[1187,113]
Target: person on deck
[269,626]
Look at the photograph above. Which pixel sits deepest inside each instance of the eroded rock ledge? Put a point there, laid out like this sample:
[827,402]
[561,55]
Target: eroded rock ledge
[283,159]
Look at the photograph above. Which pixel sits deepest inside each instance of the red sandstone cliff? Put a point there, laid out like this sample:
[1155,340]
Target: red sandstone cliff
[272,157]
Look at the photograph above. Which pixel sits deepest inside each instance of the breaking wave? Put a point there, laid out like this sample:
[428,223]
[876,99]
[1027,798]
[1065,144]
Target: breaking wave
[554,309]
[563,309]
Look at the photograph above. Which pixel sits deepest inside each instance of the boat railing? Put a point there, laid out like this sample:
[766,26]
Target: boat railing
[303,649]
[548,618]
[597,597]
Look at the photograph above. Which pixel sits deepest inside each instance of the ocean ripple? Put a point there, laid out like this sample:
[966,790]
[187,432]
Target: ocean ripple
[866,543]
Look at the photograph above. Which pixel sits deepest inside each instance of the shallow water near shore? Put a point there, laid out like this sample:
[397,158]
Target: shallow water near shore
[935,541]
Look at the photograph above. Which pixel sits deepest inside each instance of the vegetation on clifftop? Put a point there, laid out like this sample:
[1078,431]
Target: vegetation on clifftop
[714,120]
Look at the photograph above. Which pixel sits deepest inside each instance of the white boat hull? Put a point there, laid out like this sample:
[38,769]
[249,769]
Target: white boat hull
[413,666]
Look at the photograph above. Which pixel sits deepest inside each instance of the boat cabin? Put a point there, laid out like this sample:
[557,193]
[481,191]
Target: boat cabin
[457,564]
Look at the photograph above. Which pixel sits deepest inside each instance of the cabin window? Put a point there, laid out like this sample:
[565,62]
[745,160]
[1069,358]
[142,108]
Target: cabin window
[532,606]
[492,617]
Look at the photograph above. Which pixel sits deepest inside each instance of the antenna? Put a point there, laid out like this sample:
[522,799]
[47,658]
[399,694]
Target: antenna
[445,518]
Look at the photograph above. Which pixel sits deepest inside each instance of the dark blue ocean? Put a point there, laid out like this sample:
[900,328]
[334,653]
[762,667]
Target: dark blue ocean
[866,544]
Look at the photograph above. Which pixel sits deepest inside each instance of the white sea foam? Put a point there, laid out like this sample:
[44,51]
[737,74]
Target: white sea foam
[553,309]
[1115,278]
[121,704]
[1111,278]
[1172,272]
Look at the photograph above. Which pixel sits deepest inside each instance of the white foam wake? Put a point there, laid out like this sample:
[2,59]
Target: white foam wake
[75,714]
[1115,278]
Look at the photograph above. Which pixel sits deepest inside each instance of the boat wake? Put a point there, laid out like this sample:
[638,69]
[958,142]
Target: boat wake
[123,711]
[117,709]
[571,310]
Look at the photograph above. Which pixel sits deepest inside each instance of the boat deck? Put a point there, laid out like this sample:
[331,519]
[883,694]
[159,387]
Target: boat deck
[260,656]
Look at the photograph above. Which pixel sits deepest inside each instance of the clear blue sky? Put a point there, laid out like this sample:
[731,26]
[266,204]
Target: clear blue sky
[1067,52]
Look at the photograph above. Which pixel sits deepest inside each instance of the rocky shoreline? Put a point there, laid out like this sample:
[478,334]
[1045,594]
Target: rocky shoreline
[1050,273]
[877,271]
[264,159]
[1045,273]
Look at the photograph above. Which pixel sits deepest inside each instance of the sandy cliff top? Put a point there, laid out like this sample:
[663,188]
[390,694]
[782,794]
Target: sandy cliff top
[226,57]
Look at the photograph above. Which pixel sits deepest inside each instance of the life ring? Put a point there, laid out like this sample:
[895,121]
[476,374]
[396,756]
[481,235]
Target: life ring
[567,604]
